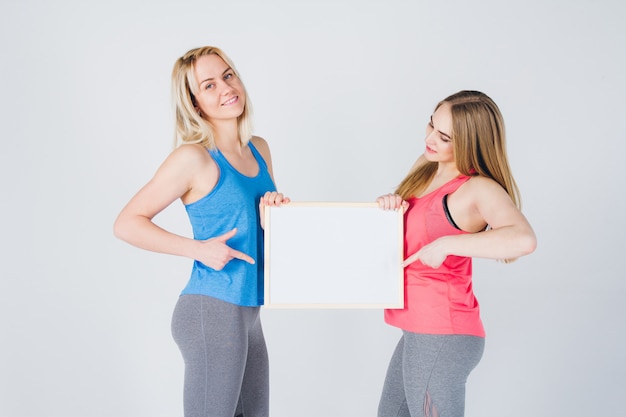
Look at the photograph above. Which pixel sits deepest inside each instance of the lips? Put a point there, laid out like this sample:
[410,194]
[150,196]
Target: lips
[231,101]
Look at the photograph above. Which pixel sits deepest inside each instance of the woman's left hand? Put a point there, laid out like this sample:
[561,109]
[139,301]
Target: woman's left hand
[271,198]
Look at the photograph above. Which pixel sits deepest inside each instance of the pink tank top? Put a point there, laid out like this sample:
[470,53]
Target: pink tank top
[436,301]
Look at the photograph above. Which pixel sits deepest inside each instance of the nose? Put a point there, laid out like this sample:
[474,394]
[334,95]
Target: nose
[226,89]
[430,139]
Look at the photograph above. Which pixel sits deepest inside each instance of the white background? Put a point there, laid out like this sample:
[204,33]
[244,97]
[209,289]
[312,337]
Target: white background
[342,91]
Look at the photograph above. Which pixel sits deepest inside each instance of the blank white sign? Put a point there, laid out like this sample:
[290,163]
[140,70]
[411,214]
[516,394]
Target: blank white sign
[333,255]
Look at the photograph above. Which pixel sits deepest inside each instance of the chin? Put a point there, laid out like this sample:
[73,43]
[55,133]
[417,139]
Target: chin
[430,157]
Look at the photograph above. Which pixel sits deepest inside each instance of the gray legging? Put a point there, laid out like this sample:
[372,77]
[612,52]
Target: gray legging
[226,363]
[427,374]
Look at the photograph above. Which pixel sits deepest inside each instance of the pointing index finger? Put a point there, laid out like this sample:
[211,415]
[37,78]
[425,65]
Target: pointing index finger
[240,255]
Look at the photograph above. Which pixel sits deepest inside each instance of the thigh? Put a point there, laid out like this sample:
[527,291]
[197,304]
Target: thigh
[212,337]
[254,400]
[436,368]
[392,400]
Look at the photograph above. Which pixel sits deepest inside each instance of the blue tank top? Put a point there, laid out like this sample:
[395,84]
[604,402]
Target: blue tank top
[234,202]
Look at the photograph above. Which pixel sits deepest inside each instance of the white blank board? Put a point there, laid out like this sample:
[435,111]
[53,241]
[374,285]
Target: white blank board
[333,255]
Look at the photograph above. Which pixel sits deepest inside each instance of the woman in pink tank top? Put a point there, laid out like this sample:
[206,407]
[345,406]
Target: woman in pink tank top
[460,201]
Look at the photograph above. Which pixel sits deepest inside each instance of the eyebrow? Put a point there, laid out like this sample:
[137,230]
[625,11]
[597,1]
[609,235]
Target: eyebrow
[211,79]
[445,134]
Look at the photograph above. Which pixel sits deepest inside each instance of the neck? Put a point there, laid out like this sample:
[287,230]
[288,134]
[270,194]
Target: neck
[447,170]
[227,135]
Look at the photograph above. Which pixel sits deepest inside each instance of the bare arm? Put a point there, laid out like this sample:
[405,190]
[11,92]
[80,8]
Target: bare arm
[174,179]
[510,235]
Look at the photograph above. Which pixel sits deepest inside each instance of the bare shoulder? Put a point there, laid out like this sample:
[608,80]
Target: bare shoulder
[185,163]
[190,154]
[263,147]
[193,166]
[481,194]
[483,186]
[260,143]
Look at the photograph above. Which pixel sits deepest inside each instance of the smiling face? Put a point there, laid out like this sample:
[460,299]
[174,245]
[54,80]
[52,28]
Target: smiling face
[220,93]
[439,146]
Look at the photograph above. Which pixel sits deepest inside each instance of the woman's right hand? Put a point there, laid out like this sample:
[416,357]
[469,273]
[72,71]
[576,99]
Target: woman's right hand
[391,202]
[215,253]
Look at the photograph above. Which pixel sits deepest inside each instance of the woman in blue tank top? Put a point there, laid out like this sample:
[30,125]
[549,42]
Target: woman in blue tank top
[223,176]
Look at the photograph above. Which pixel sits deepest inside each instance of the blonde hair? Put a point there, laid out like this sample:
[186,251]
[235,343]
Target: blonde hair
[479,142]
[190,126]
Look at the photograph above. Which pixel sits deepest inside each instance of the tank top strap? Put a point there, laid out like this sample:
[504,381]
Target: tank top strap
[257,155]
[222,162]
[218,157]
[452,185]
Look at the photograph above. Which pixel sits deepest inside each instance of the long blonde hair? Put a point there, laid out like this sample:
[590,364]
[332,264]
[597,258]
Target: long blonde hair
[190,126]
[479,142]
